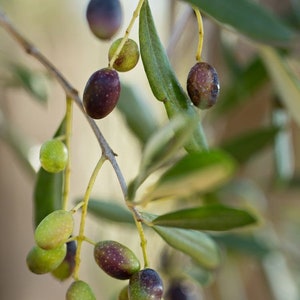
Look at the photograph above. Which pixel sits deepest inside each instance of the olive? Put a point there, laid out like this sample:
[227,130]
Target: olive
[101,93]
[203,85]
[145,285]
[104,17]
[128,56]
[115,259]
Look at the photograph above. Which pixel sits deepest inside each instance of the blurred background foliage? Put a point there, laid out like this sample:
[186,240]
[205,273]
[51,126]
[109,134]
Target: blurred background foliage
[256,120]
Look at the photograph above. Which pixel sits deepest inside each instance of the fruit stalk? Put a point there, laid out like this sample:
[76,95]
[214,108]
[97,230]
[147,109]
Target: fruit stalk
[127,33]
[81,237]
[142,239]
[201,33]
[67,177]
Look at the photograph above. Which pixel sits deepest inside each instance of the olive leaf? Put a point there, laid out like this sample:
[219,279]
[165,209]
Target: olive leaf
[33,82]
[194,173]
[196,244]
[109,211]
[48,189]
[245,146]
[139,116]
[248,18]
[244,83]
[162,79]
[286,83]
[162,147]
[215,217]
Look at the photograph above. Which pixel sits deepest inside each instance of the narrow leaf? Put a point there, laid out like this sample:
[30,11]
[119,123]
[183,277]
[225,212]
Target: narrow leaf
[33,82]
[245,146]
[244,243]
[161,76]
[243,85]
[138,114]
[48,189]
[166,143]
[214,217]
[162,147]
[196,244]
[109,211]
[285,82]
[249,18]
[194,173]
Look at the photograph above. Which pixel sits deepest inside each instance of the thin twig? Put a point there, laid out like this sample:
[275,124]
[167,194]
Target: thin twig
[70,91]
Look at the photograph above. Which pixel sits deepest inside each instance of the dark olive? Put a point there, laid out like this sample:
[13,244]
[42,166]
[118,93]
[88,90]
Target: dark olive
[66,268]
[101,93]
[145,285]
[203,85]
[182,289]
[116,259]
[104,17]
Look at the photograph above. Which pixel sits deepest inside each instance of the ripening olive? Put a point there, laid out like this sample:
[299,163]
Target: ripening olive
[54,230]
[104,17]
[66,268]
[127,58]
[203,85]
[53,156]
[80,290]
[145,285]
[116,259]
[101,93]
[40,261]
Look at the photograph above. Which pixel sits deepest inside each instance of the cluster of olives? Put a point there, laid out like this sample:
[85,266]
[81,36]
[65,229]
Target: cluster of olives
[120,262]
[102,90]
[53,252]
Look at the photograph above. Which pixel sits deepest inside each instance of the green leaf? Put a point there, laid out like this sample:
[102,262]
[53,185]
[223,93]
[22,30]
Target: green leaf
[215,217]
[194,173]
[109,211]
[48,189]
[162,79]
[33,82]
[249,18]
[18,143]
[196,244]
[138,114]
[162,147]
[285,82]
[165,143]
[242,86]
[248,244]
[245,146]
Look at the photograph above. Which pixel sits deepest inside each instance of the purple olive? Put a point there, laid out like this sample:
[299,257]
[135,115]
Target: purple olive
[203,85]
[115,259]
[104,17]
[101,93]
[66,268]
[145,285]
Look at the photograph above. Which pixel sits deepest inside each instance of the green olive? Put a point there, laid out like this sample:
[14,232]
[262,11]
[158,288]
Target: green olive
[127,58]
[54,156]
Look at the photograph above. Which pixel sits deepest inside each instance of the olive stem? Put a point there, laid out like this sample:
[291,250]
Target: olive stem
[67,173]
[70,91]
[78,206]
[127,33]
[201,33]
[81,237]
[143,239]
